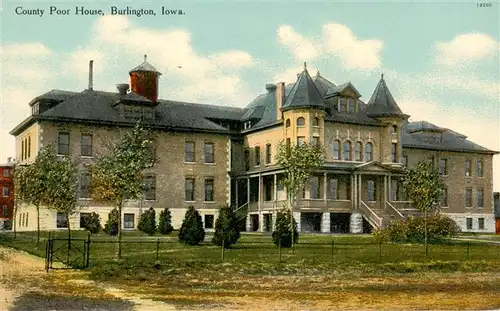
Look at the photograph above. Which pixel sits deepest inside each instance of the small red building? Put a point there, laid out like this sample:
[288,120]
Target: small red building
[7,194]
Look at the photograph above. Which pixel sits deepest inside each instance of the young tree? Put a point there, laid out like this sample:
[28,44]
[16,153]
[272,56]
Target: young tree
[226,228]
[92,223]
[299,162]
[284,234]
[165,222]
[423,187]
[62,186]
[147,222]
[118,175]
[192,231]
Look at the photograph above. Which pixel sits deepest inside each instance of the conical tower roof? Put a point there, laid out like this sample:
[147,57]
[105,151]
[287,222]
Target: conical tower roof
[145,67]
[382,104]
[304,94]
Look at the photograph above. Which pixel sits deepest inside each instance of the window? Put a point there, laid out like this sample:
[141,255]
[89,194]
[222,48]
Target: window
[6,172]
[316,121]
[257,155]
[189,152]
[394,149]
[301,121]
[468,169]
[5,210]
[357,151]
[405,160]
[351,105]
[29,147]
[469,223]
[394,189]
[287,123]
[393,129]
[83,219]
[468,197]
[20,219]
[62,221]
[189,189]
[444,197]
[209,221]
[26,222]
[149,184]
[86,145]
[480,198]
[315,193]
[336,150]
[128,221]
[247,160]
[209,153]
[333,189]
[209,190]
[443,166]
[347,151]
[371,190]
[84,185]
[480,223]
[5,191]
[300,140]
[369,152]
[22,150]
[268,153]
[315,141]
[479,168]
[63,143]
[342,105]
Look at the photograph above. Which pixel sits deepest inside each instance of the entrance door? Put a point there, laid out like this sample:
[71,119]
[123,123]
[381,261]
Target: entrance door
[497,222]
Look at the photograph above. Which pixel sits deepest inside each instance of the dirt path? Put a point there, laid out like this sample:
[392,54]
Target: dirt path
[24,285]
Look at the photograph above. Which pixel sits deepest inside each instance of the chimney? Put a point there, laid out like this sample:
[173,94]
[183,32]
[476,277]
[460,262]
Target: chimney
[122,88]
[91,75]
[271,87]
[280,99]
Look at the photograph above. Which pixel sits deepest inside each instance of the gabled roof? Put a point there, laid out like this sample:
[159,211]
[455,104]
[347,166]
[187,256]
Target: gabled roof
[323,84]
[304,94]
[382,104]
[145,67]
[340,88]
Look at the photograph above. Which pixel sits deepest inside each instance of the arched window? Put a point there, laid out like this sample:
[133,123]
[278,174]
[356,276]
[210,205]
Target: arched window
[336,150]
[301,121]
[357,151]
[316,121]
[347,151]
[394,129]
[369,152]
[287,123]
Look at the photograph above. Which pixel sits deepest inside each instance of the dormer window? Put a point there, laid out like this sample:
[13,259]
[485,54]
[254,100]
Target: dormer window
[342,105]
[301,121]
[35,109]
[351,105]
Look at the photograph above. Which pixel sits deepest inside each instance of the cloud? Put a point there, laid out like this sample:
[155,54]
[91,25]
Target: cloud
[302,48]
[465,49]
[338,41]
[353,52]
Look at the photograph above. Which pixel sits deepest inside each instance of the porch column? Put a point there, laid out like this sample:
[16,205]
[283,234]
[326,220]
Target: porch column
[259,202]
[248,223]
[353,191]
[248,191]
[355,196]
[385,191]
[274,215]
[275,189]
[360,185]
[296,216]
[325,223]
[236,192]
[325,190]
[261,222]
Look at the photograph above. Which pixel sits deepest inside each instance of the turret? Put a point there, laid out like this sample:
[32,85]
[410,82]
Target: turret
[144,80]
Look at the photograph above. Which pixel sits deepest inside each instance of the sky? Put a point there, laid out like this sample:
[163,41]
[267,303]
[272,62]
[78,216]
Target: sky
[439,59]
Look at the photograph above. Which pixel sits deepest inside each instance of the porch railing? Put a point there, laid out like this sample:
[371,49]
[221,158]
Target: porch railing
[394,209]
[372,216]
[242,210]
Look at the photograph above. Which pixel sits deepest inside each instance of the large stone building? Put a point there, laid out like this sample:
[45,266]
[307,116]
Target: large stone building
[7,197]
[211,156]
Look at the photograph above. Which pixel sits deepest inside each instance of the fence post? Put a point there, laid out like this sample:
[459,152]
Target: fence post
[279,248]
[47,254]
[222,254]
[333,243]
[468,249]
[157,252]
[88,251]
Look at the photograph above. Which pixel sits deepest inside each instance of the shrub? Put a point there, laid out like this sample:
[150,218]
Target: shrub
[283,230]
[111,226]
[92,223]
[192,232]
[147,222]
[226,228]
[439,227]
[165,222]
